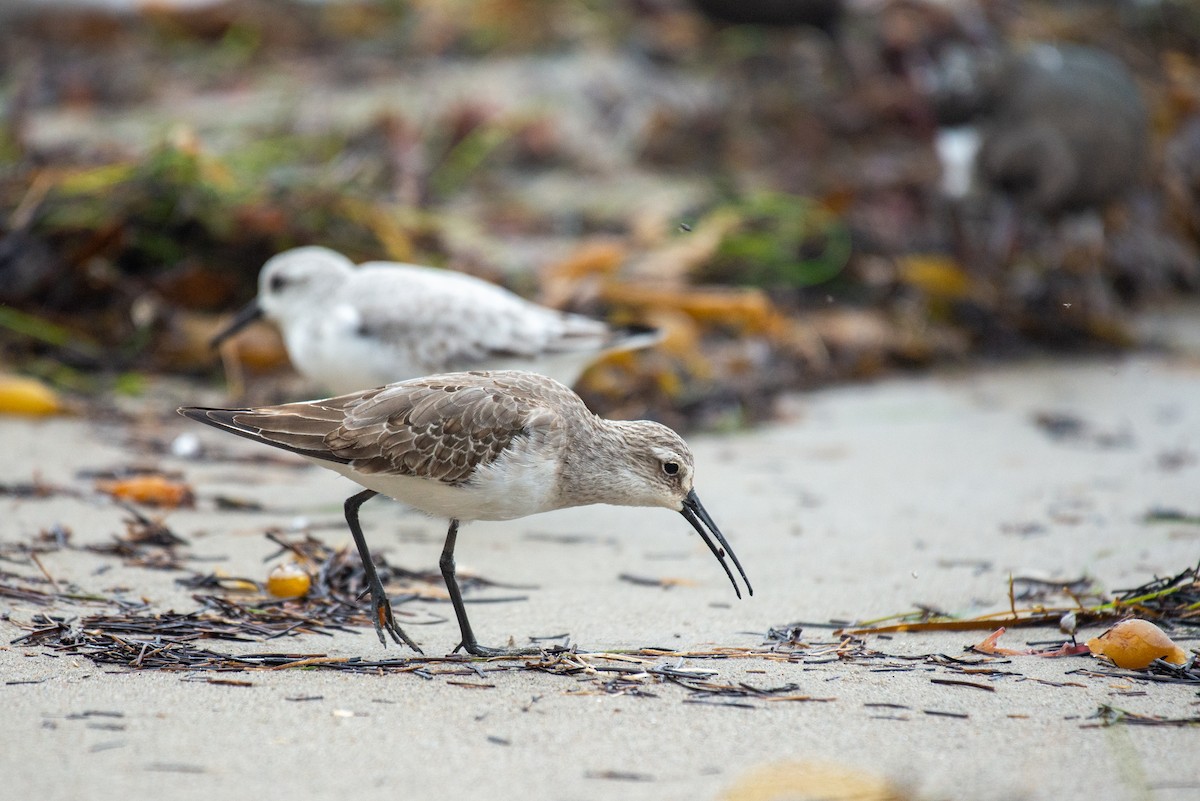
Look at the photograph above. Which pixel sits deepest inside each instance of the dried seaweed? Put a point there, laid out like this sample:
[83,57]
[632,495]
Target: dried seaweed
[171,643]
[1174,600]
[238,623]
[33,489]
[1159,671]
[147,543]
[276,618]
[42,598]
[1111,716]
[338,573]
[135,639]
[27,595]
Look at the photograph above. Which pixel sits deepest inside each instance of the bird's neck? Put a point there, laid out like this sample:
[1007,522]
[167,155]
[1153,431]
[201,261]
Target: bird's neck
[591,470]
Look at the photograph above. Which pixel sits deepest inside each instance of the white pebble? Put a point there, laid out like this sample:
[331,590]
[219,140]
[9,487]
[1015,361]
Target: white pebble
[186,446]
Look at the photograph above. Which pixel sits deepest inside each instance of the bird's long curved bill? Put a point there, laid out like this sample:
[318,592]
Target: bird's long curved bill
[247,315]
[693,510]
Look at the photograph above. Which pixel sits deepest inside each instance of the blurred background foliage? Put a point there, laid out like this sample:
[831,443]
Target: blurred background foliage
[789,189]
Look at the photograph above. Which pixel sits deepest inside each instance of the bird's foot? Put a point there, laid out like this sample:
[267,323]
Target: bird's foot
[385,621]
[475,649]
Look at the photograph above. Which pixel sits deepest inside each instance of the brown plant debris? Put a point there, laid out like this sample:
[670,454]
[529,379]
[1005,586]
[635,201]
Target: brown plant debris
[1159,671]
[1109,715]
[147,543]
[1172,600]
[339,573]
[170,642]
[665,582]
[26,595]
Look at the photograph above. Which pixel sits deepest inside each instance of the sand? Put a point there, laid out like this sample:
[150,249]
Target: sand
[861,503]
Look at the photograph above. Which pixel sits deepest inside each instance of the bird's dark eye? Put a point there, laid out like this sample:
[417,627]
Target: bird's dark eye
[278,282]
[670,468]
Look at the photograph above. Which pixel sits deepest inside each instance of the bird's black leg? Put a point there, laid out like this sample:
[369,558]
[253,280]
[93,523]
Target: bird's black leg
[382,606]
[469,643]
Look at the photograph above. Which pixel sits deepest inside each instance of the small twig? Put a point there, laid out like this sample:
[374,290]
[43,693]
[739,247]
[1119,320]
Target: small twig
[31,201]
[961,683]
[57,590]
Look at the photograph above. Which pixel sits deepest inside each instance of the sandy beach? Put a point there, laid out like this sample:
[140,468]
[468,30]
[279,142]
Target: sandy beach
[865,502]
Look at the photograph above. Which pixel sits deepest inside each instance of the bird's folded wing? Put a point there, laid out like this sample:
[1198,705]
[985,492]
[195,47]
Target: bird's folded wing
[476,326]
[441,428]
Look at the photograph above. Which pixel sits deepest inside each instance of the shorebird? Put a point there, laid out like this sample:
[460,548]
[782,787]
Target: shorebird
[479,446]
[350,327]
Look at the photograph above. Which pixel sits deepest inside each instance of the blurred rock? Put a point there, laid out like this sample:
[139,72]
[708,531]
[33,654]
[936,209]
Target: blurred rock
[1068,130]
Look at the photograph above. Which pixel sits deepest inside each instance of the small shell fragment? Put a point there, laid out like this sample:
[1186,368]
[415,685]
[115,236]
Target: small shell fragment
[288,580]
[812,781]
[149,490]
[1133,644]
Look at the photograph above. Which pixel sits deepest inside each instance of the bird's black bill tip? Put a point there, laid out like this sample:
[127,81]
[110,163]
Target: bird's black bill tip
[191,412]
[249,313]
[695,514]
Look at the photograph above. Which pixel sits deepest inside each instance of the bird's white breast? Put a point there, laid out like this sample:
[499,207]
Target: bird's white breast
[328,346]
[521,482]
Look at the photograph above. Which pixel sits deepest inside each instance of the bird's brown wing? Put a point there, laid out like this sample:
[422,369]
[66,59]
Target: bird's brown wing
[441,427]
